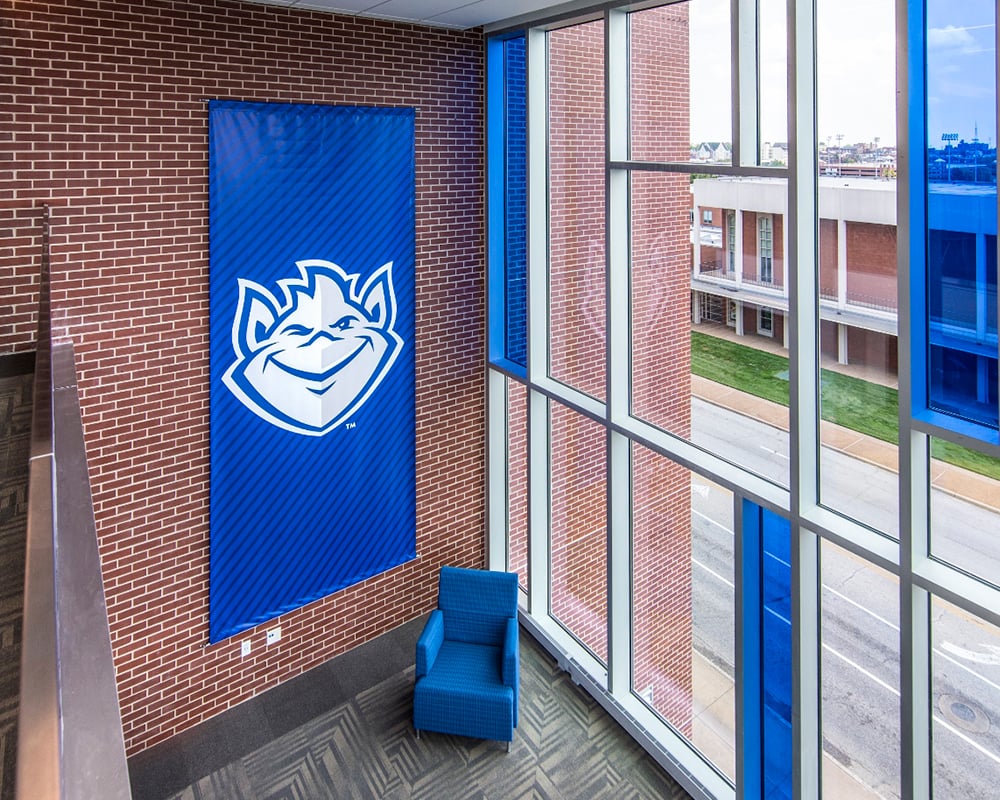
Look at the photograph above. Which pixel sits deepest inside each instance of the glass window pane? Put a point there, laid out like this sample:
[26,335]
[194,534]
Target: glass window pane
[766,588]
[965,509]
[734,400]
[659,292]
[515,201]
[776,636]
[680,66]
[772,49]
[860,672]
[576,207]
[856,96]
[517,481]
[683,603]
[859,457]
[965,696]
[578,525]
[962,209]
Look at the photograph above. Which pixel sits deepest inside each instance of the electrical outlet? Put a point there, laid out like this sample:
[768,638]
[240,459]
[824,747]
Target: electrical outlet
[244,648]
[273,635]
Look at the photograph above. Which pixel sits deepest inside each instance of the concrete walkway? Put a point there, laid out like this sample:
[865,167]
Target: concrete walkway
[956,481]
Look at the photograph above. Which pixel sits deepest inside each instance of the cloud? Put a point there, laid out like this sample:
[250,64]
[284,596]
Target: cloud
[950,38]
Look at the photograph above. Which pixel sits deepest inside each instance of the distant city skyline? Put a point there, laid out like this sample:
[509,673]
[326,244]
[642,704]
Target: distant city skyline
[855,94]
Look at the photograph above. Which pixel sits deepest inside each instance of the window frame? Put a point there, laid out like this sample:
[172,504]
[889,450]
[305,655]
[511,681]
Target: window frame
[920,576]
[765,328]
[765,248]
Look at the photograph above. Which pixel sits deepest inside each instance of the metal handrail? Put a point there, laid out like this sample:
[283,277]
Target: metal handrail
[70,741]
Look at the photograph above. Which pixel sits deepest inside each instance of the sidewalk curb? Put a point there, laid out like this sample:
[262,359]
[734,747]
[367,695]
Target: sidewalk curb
[941,467]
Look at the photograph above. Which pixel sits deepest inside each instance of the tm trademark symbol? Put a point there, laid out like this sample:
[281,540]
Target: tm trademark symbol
[351,426]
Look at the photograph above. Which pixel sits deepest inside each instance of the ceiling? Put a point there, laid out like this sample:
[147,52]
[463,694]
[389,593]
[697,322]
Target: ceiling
[446,13]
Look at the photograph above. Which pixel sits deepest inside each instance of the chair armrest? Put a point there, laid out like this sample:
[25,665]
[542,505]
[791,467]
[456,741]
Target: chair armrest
[429,642]
[511,654]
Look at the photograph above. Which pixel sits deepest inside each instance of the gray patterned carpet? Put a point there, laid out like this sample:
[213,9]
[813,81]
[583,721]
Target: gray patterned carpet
[15,433]
[565,747]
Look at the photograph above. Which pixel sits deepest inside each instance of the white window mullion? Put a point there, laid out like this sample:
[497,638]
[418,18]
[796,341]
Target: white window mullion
[914,466]
[617,392]
[498,500]
[538,323]
[538,201]
[801,259]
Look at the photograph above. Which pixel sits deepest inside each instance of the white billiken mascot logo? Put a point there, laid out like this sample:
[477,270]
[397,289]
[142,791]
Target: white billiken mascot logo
[308,361]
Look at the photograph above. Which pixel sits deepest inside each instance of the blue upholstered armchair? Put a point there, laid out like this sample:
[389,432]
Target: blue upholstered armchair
[468,661]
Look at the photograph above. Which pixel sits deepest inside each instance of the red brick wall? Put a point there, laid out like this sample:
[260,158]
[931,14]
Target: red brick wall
[517,481]
[828,339]
[871,264]
[577,355]
[576,203]
[578,536]
[873,349]
[110,127]
[712,258]
[20,258]
[751,247]
[660,283]
[828,256]
[750,244]
[660,274]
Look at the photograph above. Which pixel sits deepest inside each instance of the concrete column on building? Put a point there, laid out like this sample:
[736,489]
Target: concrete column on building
[842,265]
[784,252]
[842,354]
[696,307]
[739,317]
[738,259]
[784,330]
[696,242]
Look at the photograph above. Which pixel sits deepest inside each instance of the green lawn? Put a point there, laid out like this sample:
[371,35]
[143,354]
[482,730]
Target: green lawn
[865,407]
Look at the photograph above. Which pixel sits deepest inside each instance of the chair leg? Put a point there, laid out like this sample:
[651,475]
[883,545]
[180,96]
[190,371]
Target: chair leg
[508,747]
[418,732]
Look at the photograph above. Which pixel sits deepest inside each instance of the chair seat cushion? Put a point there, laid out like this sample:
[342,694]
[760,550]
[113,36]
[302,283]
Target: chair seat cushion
[464,694]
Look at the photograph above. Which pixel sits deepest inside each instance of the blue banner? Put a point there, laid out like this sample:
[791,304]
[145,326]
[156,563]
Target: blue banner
[312,397]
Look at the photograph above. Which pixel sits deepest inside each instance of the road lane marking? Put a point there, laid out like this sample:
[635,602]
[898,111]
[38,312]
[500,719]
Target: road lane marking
[861,669]
[772,450]
[967,740]
[712,521]
[989,754]
[990,658]
[714,574]
[937,651]
[860,607]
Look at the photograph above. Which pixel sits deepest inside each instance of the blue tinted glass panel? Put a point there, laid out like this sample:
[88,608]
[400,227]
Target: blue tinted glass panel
[951,268]
[964,384]
[516,201]
[767,654]
[777,656]
[962,209]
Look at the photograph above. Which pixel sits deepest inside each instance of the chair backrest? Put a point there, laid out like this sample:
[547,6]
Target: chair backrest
[476,604]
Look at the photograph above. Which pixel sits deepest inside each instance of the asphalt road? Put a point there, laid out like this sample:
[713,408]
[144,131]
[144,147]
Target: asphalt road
[860,618]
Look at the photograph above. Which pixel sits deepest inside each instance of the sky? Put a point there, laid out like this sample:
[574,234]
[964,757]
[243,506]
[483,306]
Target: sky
[856,70]
[961,71]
